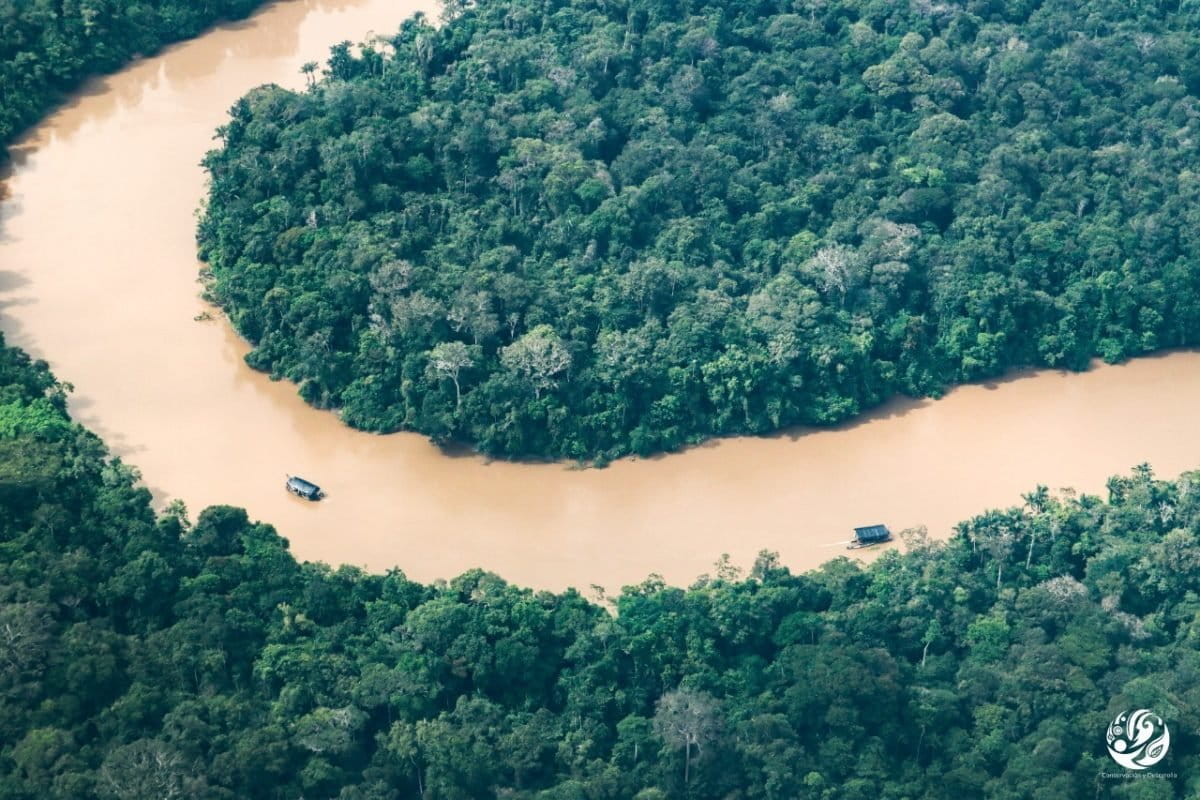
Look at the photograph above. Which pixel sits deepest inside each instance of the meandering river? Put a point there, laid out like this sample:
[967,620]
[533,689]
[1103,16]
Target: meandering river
[98,276]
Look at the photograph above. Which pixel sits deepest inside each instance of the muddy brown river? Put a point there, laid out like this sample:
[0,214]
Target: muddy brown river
[98,276]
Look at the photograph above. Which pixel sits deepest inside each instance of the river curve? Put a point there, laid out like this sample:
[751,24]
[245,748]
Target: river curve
[98,276]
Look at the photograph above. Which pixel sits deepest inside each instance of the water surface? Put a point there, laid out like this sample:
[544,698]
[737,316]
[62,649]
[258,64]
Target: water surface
[98,276]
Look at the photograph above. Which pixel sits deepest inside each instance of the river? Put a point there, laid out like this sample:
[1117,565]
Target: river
[98,276]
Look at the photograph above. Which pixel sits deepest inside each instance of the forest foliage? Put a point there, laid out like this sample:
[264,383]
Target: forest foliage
[148,656]
[48,48]
[580,229]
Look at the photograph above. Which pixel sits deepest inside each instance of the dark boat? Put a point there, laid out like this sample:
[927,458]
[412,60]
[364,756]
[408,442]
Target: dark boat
[303,488]
[869,536]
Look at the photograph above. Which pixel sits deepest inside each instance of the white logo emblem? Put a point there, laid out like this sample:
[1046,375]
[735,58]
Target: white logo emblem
[1138,739]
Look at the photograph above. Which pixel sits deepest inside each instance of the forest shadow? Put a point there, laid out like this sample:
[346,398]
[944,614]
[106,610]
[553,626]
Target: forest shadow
[81,408]
[465,451]
[5,237]
[8,206]
[93,99]
[460,450]
[10,280]
[96,90]
[159,494]
[1155,355]
[894,408]
[902,405]
[709,443]
[92,87]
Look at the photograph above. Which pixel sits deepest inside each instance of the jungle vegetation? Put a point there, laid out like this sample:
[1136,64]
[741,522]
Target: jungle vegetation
[587,228]
[150,656]
[48,48]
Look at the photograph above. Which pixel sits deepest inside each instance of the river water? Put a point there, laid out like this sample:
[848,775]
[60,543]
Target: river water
[98,276]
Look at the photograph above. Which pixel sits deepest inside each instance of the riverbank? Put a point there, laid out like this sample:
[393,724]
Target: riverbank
[99,278]
[48,55]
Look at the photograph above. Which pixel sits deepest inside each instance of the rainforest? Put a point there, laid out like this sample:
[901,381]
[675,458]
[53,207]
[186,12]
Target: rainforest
[587,229]
[582,229]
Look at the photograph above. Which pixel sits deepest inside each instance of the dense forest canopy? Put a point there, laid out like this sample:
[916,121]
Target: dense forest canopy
[583,228]
[145,655]
[150,657]
[47,48]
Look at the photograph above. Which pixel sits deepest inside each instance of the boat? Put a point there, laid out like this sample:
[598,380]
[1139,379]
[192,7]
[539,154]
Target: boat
[302,488]
[869,536]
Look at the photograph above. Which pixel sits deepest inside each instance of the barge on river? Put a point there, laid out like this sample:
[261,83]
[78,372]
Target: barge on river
[869,536]
[302,488]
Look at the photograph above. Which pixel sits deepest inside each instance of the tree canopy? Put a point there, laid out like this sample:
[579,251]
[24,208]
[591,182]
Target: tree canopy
[150,656]
[655,221]
[147,655]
